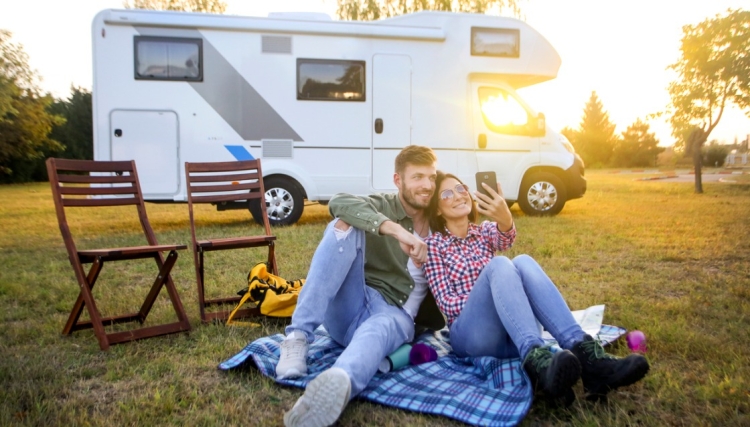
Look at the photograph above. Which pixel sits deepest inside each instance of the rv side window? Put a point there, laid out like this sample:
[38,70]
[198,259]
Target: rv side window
[502,113]
[502,42]
[330,80]
[168,58]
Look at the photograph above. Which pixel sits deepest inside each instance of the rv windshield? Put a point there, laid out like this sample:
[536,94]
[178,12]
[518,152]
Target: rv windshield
[502,112]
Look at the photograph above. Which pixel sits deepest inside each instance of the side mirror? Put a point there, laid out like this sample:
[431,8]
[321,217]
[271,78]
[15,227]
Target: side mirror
[541,125]
[482,141]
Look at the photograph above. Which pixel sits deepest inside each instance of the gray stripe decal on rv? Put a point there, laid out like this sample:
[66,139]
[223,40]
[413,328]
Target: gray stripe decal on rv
[230,95]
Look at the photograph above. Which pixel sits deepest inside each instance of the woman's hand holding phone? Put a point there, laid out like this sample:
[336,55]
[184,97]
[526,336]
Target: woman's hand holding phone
[494,206]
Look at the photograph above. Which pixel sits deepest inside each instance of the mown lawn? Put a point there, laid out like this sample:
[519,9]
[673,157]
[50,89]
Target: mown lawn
[664,260]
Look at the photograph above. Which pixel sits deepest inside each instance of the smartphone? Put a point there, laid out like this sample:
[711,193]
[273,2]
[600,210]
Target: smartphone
[488,178]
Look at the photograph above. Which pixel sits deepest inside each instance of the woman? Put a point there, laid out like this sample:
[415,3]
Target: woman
[492,304]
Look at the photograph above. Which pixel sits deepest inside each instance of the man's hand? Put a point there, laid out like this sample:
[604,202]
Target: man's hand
[495,207]
[410,244]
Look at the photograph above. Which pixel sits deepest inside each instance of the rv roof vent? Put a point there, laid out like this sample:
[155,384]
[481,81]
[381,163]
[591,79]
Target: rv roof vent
[301,16]
[276,44]
[277,148]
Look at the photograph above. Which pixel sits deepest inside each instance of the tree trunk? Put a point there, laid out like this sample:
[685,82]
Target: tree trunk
[695,143]
[697,164]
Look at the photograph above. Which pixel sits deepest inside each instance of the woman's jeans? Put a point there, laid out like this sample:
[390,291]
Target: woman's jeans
[501,313]
[355,315]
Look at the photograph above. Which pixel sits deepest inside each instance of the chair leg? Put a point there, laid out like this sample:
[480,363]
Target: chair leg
[77,310]
[272,258]
[163,277]
[86,283]
[201,286]
[175,298]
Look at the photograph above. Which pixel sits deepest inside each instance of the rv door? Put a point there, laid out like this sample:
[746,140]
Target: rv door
[149,138]
[391,115]
[505,135]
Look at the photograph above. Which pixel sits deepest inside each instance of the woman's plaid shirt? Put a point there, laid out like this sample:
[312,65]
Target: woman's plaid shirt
[453,264]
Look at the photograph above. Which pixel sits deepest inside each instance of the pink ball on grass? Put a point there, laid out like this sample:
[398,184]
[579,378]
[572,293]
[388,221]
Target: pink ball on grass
[636,341]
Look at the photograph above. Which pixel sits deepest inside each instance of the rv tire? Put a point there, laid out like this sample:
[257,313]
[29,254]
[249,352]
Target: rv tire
[284,202]
[542,194]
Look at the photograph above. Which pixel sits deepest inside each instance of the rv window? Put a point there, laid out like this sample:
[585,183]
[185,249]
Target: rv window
[168,58]
[502,113]
[502,42]
[330,80]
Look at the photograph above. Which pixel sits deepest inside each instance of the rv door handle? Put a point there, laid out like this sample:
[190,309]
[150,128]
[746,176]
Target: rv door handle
[378,125]
[482,141]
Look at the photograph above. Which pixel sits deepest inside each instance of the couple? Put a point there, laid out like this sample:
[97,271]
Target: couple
[370,279]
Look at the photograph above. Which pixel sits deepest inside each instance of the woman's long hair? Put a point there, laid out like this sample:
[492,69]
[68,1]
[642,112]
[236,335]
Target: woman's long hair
[437,222]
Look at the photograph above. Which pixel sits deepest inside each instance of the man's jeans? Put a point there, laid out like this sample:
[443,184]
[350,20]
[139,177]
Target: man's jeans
[355,315]
[500,316]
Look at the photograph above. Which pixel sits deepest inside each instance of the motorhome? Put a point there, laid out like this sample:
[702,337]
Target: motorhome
[327,105]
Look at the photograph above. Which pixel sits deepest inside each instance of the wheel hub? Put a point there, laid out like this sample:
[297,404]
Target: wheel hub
[279,203]
[542,196]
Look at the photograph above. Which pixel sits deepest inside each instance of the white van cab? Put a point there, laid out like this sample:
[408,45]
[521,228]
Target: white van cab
[327,105]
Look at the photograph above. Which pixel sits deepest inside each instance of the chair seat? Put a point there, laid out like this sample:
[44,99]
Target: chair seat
[235,242]
[131,252]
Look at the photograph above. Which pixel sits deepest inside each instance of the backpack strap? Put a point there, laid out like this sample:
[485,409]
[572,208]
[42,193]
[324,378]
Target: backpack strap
[231,322]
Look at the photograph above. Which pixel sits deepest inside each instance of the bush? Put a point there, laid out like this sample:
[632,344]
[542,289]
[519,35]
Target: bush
[714,155]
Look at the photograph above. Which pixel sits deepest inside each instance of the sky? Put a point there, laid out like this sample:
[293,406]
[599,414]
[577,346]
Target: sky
[620,49]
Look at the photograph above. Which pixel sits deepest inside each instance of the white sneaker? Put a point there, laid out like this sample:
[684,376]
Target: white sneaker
[325,398]
[293,359]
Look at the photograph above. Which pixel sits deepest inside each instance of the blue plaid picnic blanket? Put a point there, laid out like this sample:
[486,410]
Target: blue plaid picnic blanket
[482,391]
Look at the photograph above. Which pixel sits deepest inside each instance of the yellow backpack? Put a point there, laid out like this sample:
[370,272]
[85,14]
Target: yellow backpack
[274,295]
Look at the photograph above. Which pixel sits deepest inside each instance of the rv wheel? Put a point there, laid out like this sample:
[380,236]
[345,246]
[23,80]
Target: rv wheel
[542,194]
[284,202]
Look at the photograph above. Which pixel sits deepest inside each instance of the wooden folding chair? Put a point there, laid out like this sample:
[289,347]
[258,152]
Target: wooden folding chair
[112,184]
[218,182]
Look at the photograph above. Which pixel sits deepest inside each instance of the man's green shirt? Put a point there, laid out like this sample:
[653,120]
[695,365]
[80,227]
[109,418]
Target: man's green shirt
[385,261]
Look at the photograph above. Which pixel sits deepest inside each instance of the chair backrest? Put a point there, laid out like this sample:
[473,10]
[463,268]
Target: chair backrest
[216,182]
[112,184]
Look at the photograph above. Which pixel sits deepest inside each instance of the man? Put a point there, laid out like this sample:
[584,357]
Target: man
[366,286]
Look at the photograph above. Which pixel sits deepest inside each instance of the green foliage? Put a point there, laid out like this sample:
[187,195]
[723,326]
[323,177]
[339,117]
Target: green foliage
[713,70]
[207,6]
[370,10]
[715,154]
[569,133]
[595,138]
[77,133]
[25,123]
[638,147]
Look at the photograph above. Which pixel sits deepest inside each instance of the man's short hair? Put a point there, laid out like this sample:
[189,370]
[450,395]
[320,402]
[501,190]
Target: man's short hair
[416,155]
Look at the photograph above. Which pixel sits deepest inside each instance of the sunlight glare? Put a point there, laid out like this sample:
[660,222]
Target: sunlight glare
[504,111]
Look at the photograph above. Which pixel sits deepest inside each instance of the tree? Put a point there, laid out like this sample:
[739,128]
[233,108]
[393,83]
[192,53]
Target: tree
[638,147]
[207,6]
[595,138]
[25,123]
[713,71]
[370,10]
[77,133]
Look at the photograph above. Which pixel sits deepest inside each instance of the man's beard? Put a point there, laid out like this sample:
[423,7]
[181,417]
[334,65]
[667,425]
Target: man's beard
[412,202]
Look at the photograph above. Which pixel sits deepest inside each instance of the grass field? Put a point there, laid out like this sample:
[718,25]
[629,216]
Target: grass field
[671,263]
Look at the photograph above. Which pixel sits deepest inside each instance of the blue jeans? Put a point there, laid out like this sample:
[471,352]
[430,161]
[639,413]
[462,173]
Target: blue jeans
[355,315]
[500,316]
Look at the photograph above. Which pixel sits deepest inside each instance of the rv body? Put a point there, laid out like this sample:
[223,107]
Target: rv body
[327,105]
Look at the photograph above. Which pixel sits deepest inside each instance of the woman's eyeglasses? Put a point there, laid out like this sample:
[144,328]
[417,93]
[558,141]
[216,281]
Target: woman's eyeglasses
[449,194]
